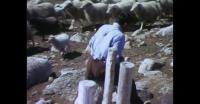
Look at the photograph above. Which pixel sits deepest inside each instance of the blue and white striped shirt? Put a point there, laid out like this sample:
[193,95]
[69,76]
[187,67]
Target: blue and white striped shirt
[107,36]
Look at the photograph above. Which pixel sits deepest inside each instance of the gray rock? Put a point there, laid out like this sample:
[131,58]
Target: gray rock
[157,84]
[171,64]
[152,73]
[141,85]
[167,50]
[41,56]
[127,59]
[159,44]
[77,38]
[87,33]
[38,70]
[165,31]
[53,49]
[42,101]
[66,84]
[50,79]
[128,45]
[141,44]
[148,65]
[127,38]
[34,93]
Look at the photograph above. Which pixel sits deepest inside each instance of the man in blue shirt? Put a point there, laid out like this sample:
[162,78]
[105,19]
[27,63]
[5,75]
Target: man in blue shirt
[107,36]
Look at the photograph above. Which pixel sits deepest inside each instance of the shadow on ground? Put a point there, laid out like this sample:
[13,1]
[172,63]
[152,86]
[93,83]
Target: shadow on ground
[34,50]
[72,55]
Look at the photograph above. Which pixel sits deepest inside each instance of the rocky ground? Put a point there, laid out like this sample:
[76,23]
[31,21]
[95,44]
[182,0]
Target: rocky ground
[139,47]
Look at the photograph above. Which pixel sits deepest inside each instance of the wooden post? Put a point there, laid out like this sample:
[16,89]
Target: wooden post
[125,83]
[109,77]
[86,92]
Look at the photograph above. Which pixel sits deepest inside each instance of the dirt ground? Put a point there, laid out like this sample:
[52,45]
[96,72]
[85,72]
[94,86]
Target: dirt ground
[76,61]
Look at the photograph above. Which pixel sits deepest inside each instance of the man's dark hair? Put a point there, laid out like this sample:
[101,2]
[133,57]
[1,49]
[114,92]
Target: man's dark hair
[123,18]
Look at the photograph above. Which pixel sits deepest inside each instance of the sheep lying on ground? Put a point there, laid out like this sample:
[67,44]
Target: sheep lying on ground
[38,70]
[60,42]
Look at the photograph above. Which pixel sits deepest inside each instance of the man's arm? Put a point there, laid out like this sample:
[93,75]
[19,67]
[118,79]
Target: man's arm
[118,44]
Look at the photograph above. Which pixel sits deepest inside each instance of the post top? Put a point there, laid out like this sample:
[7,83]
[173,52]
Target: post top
[127,64]
[87,83]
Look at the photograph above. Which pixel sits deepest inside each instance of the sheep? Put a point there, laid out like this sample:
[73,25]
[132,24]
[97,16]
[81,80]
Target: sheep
[38,70]
[43,18]
[72,8]
[116,9]
[95,13]
[60,42]
[167,6]
[45,26]
[42,10]
[146,11]
[60,8]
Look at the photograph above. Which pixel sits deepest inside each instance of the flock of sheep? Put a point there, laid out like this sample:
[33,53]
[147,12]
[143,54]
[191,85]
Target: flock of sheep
[43,16]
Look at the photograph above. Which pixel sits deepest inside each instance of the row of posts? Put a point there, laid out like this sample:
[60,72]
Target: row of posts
[87,88]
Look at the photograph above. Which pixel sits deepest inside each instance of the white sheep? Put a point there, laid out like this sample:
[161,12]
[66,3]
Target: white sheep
[60,42]
[146,11]
[38,70]
[120,7]
[95,13]
[72,8]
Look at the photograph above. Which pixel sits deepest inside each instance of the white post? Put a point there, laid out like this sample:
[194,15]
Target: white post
[109,77]
[86,92]
[125,83]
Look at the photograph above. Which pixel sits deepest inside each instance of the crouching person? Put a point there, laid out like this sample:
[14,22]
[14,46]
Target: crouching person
[108,36]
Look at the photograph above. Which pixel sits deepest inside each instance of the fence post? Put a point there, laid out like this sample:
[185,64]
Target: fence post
[125,83]
[86,92]
[109,77]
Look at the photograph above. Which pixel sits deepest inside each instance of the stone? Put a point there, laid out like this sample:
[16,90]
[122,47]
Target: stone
[141,44]
[66,84]
[128,45]
[171,64]
[165,31]
[38,70]
[168,49]
[77,38]
[149,65]
[159,44]
[50,79]
[145,65]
